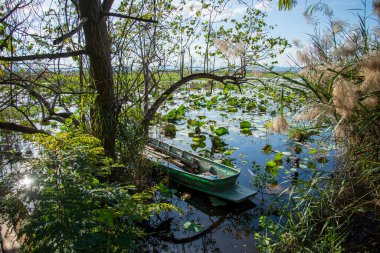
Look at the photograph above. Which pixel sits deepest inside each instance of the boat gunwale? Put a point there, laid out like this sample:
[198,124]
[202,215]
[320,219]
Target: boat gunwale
[237,172]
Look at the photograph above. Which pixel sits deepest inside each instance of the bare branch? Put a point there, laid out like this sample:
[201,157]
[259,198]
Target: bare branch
[112,14]
[10,12]
[42,56]
[71,33]
[18,128]
[223,79]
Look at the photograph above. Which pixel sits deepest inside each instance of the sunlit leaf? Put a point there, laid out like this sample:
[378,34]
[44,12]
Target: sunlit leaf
[192,226]
[221,131]
[245,124]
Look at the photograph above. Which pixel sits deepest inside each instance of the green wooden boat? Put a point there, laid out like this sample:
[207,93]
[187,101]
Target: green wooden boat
[197,172]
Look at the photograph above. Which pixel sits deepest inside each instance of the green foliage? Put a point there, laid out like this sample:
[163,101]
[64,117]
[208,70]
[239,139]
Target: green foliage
[175,114]
[192,226]
[245,124]
[75,208]
[301,134]
[170,130]
[221,131]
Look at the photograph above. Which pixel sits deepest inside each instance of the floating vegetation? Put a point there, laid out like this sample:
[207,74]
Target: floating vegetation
[170,130]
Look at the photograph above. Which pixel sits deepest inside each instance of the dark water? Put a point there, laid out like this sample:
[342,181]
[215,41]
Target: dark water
[231,227]
[223,226]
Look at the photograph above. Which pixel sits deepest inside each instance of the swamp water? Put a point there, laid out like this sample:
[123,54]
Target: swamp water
[215,125]
[233,128]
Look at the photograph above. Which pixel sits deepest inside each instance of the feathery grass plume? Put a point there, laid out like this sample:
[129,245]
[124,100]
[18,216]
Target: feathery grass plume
[371,72]
[303,58]
[280,124]
[372,62]
[230,49]
[344,51]
[341,132]
[371,82]
[376,7]
[257,73]
[310,114]
[344,98]
[222,45]
[337,25]
[240,47]
[371,101]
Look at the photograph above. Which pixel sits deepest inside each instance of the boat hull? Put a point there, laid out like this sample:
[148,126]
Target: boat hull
[223,185]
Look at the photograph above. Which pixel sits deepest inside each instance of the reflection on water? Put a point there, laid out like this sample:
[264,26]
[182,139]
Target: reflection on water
[227,227]
[27,181]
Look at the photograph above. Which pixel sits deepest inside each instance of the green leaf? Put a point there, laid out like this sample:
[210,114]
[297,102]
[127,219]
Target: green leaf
[311,165]
[271,164]
[192,226]
[322,159]
[229,152]
[267,149]
[245,124]
[246,131]
[298,149]
[278,157]
[106,215]
[221,131]
[312,151]
[232,109]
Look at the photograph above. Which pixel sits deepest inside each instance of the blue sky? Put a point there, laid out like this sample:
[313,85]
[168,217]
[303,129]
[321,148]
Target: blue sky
[292,24]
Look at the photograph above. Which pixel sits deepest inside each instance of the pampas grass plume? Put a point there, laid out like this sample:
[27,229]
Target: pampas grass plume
[376,7]
[280,124]
[371,101]
[344,98]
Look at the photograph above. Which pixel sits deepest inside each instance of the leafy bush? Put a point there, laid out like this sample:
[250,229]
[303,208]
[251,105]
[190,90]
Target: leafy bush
[73,206]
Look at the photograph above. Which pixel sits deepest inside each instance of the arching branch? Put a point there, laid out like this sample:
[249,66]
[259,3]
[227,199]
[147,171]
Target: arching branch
[197,236]
[223,79]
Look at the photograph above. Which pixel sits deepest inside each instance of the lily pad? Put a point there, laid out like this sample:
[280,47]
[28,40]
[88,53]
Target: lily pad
[245,124]
[271,163]
[221,131]
[278,157]
[192,226]
[267,149]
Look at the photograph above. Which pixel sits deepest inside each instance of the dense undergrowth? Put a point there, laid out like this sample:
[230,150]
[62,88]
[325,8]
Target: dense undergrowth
[74,199]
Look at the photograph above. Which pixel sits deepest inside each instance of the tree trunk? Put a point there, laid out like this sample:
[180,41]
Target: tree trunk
[99,51]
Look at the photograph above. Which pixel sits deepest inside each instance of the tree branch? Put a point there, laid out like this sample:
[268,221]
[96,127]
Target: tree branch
[213,226]
[10,12]
[71,33]
[106,5]
[18,128]
[42,56]
[112,14]
[152,110]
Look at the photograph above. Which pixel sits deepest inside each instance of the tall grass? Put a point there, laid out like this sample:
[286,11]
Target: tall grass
[340,211]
